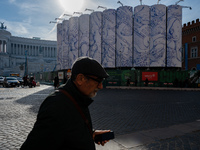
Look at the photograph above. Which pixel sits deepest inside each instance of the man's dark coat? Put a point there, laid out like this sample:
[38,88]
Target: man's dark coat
[59,125]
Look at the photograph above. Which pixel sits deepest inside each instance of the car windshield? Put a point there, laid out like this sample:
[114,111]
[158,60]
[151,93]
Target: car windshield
[11,78]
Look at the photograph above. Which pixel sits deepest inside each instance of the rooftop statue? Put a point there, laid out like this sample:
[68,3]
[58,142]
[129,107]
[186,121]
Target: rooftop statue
[2,26]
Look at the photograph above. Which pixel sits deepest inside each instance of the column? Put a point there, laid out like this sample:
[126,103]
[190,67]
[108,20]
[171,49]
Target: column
[95,35]
[141,36]
[158,36]
[124,43]
[5,47]
[0,46]
[174,36]
[108,38]
[73,39]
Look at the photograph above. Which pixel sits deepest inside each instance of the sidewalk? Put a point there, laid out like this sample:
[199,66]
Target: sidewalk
[153,88]
[139,139]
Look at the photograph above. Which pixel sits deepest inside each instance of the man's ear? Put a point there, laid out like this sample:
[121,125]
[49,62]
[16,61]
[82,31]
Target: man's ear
[80,79]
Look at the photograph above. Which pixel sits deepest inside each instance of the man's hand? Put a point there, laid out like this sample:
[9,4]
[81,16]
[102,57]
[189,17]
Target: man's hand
[97,132]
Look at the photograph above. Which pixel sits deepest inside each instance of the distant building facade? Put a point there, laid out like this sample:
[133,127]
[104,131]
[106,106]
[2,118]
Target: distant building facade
[191,45]
[40,54]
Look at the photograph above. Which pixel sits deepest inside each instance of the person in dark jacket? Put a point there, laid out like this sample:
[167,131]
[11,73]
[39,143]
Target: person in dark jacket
[56,82]
[59,124]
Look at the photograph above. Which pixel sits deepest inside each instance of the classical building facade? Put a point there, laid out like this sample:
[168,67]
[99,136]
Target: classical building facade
[191,45]
[20,55]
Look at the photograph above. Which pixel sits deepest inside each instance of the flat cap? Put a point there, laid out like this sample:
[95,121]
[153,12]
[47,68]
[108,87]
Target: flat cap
[88,66]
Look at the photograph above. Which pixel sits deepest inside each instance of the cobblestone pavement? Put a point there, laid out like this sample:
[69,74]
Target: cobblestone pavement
[18,107]
[123,111]
[129,111]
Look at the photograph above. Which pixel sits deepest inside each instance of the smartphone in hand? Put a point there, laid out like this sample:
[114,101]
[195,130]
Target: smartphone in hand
[104,137]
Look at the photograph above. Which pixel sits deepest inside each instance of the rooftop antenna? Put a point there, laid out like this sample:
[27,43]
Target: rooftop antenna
[89,10]
[120,3]
[178,2]
[101,7]
[187,7]
[59,19]
[158,1]
[52,22]
[140,2]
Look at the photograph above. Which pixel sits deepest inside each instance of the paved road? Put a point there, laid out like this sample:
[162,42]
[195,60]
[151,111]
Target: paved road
[149,119]
[141,119]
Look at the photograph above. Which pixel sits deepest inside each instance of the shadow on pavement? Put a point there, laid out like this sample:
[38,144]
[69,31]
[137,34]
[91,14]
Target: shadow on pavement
[127,111]
[35,99]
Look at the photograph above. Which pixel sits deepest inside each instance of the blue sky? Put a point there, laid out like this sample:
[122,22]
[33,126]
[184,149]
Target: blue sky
[30,18]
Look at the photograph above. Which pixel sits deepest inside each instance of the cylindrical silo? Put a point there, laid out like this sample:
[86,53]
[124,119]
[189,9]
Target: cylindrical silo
[108,38]
[141,36]
[174,36]
[65,45]
[73,39]
[158,36]
[84,35]
[59,46]
[124,36]
[95,35]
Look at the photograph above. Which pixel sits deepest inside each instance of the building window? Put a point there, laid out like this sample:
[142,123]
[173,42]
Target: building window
[194,52]
[194,39]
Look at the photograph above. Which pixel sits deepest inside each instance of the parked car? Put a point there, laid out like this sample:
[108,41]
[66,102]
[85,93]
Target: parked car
[10,82]
[21,81]
[1,80]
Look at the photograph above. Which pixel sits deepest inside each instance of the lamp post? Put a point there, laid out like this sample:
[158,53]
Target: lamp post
[52,22]
[89,10]
[26,63]
[102,7]
[120,3]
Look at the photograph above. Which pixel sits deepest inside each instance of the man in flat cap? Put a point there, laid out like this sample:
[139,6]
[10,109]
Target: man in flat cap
[63,121]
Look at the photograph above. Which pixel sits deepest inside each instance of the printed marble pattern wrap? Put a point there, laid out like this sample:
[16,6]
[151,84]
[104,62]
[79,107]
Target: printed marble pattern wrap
[73,39]
[141,36]
[95,35]
[84,35]
[174,36]
[59,47]
[158,36]
[108,38]
[65,35]
[124,43]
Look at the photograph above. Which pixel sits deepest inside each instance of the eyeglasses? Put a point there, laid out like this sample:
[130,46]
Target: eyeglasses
[99,80]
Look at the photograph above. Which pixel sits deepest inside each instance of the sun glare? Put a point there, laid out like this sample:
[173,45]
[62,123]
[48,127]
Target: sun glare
[72,5]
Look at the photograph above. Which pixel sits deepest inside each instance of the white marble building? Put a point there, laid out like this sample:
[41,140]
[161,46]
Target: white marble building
[41,54]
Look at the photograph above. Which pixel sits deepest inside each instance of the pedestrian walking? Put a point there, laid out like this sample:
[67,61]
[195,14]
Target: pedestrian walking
[56,82]
[146,82]
[63,120]
[128,81]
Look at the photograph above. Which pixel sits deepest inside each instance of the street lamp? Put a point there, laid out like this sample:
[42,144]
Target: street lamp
[52,22]
[67,15]
[59,19]
[158,1]
[178,2]
[80,13]
[187,7]
[120,3]
[101,7]
[89,10]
